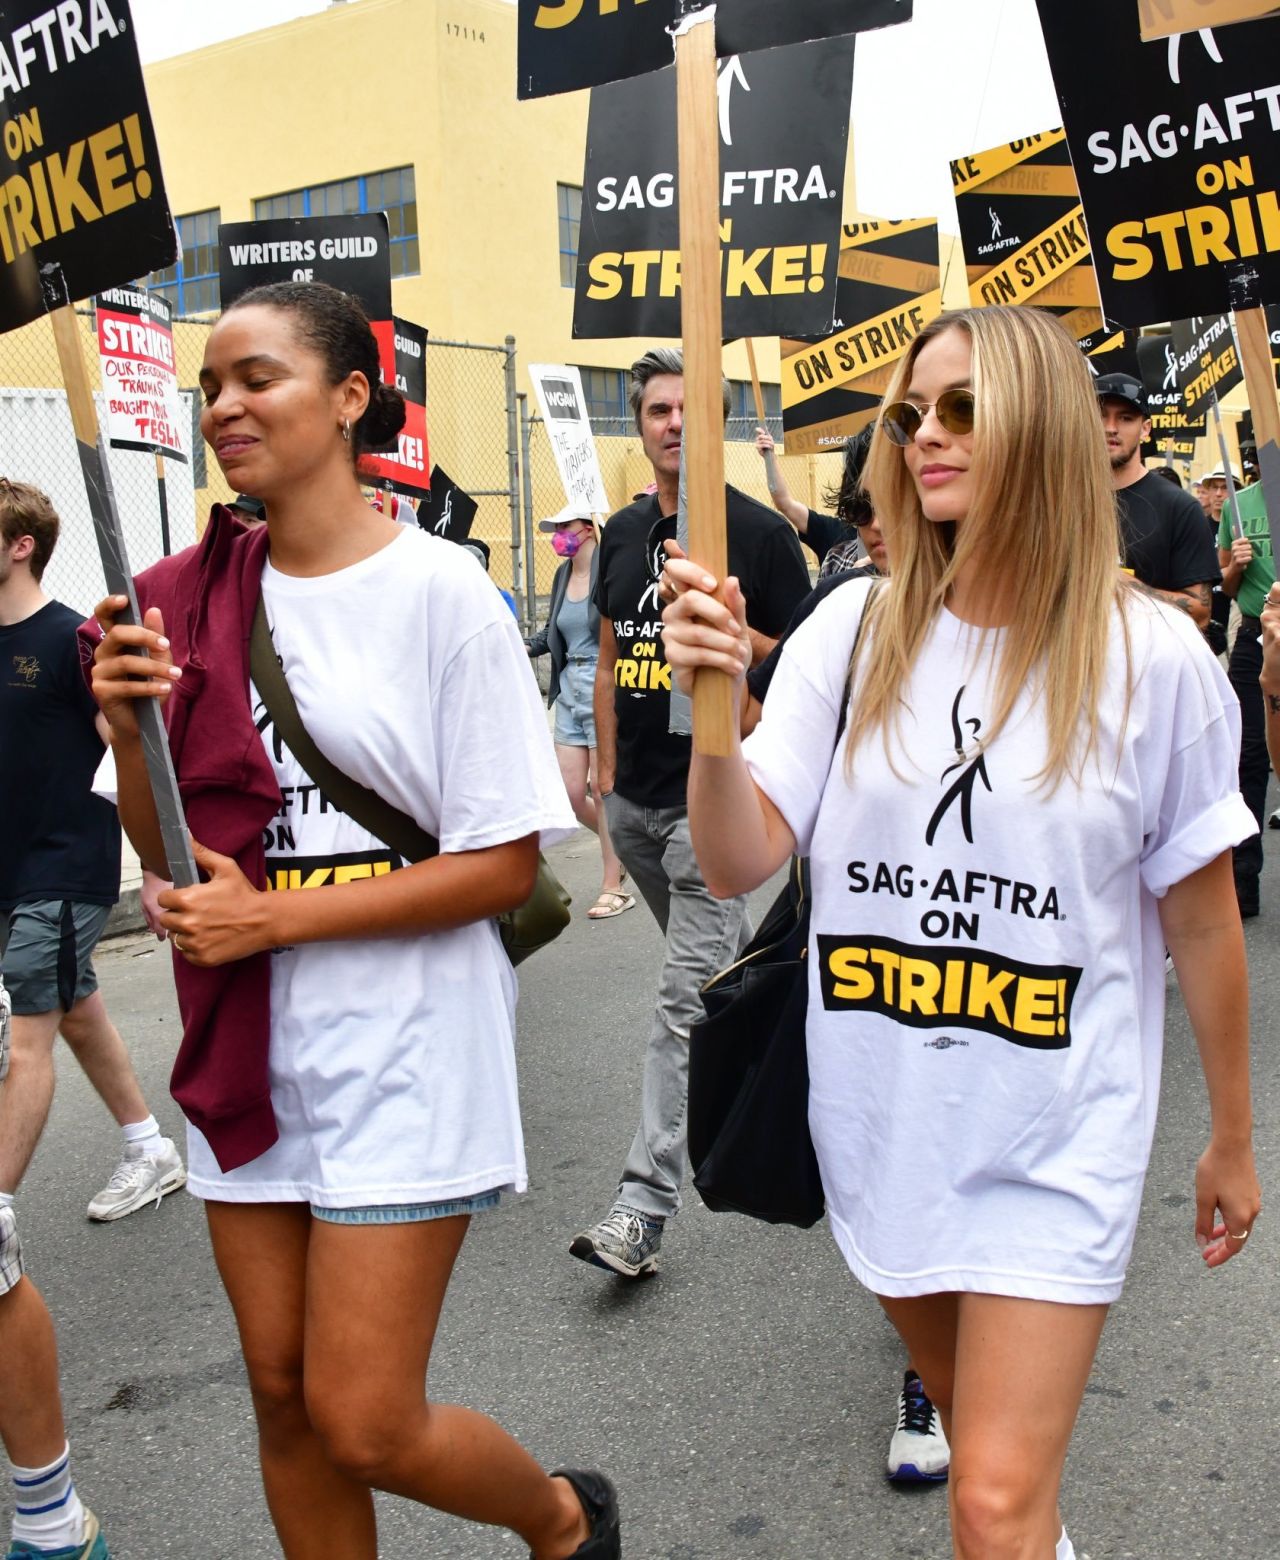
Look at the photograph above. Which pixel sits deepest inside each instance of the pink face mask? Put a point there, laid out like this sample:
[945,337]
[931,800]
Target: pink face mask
[566,543]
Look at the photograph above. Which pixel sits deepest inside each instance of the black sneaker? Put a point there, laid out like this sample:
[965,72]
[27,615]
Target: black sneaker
[600,1502]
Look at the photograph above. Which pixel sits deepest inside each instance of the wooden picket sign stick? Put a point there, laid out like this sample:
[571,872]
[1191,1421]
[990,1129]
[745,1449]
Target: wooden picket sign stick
[772,476]
[386,500]
[119,578]
[1259,378]
[162,494]
[714,707]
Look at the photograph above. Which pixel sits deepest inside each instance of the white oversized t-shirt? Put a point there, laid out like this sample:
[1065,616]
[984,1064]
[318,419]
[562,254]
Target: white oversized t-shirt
[986,965]
[392,1059]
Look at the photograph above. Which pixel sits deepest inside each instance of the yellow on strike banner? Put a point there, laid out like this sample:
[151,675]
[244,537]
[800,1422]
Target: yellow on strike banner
[1163,18]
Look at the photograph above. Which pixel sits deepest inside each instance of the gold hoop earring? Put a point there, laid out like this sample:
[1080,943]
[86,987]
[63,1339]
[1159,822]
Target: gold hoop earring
[346,430]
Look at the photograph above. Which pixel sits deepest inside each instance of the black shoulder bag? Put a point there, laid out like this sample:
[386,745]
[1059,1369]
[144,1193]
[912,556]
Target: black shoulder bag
[542,917]
[749,1141]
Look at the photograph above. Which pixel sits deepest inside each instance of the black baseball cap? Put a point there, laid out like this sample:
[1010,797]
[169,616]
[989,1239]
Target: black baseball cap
[1121,387]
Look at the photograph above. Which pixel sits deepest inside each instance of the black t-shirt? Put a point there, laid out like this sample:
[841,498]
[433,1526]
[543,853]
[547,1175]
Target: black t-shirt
[1166,542]
[823,532]
[653,765]
[759,677]
[57,839]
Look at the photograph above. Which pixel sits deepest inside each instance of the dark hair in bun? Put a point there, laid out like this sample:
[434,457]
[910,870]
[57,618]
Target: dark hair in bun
[337,328]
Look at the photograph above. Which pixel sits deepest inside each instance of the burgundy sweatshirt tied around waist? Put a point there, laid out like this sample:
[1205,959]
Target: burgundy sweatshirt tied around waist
[208,595]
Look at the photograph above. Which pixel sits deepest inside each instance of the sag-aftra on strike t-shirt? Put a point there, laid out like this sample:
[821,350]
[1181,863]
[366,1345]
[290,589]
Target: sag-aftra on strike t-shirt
[392,1059]
[653,765]
[986,965]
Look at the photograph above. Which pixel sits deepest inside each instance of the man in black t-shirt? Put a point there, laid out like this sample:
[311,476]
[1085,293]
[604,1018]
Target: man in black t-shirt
[643,771]
[1165,541]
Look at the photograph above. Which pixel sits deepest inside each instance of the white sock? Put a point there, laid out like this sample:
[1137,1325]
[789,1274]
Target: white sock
[47,1511]
[6,1199]
[1065,1549]
[144,1135]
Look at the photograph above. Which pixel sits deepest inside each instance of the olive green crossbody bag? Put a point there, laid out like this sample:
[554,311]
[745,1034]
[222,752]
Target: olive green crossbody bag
[542,917]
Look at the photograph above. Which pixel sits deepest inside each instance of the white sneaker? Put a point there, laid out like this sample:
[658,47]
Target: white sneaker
[918,1453]
[139,1179]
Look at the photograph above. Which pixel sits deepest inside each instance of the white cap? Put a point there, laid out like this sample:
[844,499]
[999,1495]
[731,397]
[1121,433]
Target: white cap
[1219,474]
[567,516]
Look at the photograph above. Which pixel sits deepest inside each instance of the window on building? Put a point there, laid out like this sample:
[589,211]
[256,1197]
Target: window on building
[742,410]
[569,204]
[191,286]
[392,191]
[606,392]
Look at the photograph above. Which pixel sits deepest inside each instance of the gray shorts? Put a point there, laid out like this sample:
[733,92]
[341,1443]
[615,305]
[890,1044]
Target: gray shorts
[46,953]
[10,1245]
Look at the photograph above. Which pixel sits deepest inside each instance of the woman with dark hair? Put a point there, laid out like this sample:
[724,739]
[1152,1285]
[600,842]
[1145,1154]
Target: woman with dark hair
[347,1063]
[834,537]
[1015,788]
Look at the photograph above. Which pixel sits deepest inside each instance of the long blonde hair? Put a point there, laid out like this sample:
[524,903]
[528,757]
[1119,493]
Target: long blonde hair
[1045,509]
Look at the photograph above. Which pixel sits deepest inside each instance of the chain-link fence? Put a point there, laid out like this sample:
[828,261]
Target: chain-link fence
[472,432]
[163,505]
[160,502]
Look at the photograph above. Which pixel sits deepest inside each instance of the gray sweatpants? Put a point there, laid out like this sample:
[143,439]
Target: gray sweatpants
[703,935]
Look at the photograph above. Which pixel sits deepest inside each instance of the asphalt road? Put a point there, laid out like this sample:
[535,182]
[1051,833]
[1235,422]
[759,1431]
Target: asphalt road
[742,1400]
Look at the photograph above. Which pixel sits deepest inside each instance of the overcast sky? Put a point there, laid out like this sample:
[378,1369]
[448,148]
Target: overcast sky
[963,76]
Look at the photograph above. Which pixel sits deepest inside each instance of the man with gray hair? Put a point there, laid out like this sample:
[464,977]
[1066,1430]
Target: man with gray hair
[643,772]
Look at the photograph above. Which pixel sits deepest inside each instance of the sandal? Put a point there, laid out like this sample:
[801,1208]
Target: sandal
[608,905]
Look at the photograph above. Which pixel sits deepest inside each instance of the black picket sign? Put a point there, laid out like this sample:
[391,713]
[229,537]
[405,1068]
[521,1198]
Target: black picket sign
[1176,146]
[84,206]
[1206,359]
[450,511]
[784,124]
[568,44]
[352,253]
[1158,370]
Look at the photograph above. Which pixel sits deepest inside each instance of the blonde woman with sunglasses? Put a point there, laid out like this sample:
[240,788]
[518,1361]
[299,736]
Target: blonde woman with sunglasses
[1033,791]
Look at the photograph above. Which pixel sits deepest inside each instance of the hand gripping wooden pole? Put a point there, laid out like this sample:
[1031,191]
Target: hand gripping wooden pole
[1259,379]
[772,476]
[714,713]
[119,577]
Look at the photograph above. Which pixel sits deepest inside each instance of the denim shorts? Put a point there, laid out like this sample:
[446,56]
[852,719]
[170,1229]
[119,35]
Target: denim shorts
[46,952]
[575,706]
[408,1213]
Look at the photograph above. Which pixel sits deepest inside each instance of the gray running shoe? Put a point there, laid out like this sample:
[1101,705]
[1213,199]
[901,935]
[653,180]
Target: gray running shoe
[139,1179]
[624,1241]
[918,1452]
